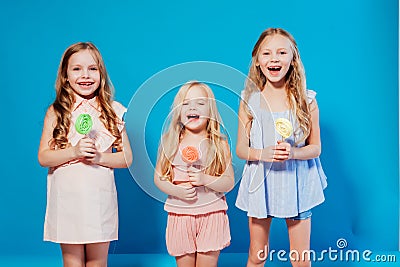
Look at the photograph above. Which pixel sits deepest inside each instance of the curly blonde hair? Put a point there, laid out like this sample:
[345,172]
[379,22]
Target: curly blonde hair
[170,140]
[65,98]
[295,81]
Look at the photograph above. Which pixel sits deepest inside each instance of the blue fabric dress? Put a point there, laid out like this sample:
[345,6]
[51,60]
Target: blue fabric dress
[278,189]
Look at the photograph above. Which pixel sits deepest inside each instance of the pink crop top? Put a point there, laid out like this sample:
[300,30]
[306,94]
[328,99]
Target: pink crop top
[207,200]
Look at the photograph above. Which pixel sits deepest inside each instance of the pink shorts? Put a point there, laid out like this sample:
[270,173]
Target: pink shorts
[187,234]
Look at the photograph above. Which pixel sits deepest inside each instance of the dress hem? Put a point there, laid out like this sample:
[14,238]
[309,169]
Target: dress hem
[227,244]
[79,242]
[277,216]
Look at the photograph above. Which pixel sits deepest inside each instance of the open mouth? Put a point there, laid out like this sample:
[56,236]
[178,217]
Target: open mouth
[85,84]
[274,68]
[193,117]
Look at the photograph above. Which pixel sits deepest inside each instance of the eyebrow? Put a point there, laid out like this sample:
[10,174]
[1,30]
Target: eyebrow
[263,49]
[196,98]
[79,65]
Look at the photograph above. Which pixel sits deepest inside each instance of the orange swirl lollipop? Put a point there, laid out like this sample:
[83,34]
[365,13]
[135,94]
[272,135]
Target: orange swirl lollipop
[190,154]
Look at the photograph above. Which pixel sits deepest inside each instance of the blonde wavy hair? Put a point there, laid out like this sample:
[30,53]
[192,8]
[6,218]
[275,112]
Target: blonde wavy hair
[216,156]
[65,98]
[295,81]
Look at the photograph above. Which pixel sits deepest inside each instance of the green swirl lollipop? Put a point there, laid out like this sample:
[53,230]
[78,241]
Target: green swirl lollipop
[83,124]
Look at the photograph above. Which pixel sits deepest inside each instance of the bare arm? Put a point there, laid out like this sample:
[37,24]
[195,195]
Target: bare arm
[120,159]
[85,148]
[243,150]
[183,192]
[275,153]
[49,157]
[313,147]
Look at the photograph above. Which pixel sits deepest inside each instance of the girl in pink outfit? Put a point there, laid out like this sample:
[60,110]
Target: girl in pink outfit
[82,212]
[194,169]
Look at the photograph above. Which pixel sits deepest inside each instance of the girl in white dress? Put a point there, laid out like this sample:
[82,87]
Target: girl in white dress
[82,211]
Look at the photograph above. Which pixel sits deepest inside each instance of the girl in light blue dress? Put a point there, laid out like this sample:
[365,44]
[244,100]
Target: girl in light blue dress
[283,176]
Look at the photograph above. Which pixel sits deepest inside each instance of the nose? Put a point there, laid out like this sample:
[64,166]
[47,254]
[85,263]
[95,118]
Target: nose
[192,105]
[274,57]
[85,73]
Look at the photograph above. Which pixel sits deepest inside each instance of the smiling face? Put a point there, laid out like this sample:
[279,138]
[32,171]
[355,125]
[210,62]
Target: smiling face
[83,74]
[195,111]
[274,58]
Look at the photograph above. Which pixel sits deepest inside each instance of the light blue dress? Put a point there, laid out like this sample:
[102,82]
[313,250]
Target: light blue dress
[278,189]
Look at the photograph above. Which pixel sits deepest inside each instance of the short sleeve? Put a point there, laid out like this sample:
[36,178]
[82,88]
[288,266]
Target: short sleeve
[310,95]
[119,110]
[242,94]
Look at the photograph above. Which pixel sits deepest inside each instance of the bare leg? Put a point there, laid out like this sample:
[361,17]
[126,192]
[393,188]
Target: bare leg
[299,238]
[96,254]
[259,241]
[207,259]
[73,255]
[188,260]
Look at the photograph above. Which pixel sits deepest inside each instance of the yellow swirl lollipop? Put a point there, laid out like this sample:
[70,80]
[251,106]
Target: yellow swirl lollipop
[284,127]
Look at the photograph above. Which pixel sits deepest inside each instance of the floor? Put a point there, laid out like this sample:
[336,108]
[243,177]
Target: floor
[161,260]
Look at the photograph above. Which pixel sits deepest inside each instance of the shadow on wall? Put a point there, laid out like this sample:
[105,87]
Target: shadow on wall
[335,218]
[142,219]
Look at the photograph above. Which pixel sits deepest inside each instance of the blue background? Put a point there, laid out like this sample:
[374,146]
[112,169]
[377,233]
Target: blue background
[350,52]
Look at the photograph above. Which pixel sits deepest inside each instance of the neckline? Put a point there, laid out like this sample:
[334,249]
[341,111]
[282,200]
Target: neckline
[274,112]
[80,101]
[269,111]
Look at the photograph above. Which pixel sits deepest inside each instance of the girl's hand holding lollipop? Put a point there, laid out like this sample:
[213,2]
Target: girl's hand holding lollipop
[190,155]
[85,148]
[285,129]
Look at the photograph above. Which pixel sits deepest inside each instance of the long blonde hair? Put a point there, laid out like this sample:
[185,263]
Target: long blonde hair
[171,138]
[295,81]
[65,98]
